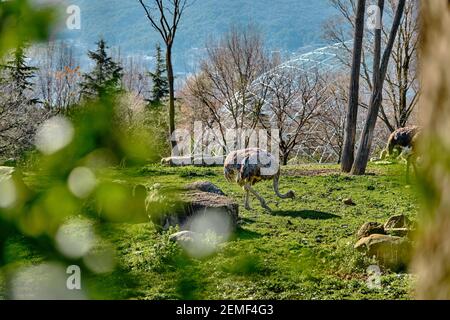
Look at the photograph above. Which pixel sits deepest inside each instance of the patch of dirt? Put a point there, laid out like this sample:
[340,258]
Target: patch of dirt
[310,172]
[321,172]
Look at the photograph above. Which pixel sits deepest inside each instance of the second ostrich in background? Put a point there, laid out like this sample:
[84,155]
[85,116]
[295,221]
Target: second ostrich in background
[404,139]
[249,166]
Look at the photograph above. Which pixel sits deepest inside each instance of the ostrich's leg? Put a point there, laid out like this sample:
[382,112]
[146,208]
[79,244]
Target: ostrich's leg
[246,198]
[256,194]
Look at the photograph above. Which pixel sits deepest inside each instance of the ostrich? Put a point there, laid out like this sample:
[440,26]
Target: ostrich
[404,140]
[250,166]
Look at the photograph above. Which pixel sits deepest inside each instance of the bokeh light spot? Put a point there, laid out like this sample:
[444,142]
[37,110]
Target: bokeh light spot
[54,134]
[8,193]
[210,228]
[82,182]
[46,281]
[75,238]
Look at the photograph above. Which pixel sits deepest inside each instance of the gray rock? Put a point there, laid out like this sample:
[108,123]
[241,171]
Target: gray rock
[391,252]
[370,228]
[399,232]
[205,186]
[166,212]
[205,203]
[395,222]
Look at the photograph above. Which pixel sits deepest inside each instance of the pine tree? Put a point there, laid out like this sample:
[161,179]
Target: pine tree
[106,76]
[160,88]
[18,74]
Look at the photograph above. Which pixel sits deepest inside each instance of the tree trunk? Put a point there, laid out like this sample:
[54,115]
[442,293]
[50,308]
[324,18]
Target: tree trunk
[352,111]
[171,80]
[432,259]
[285,159]
[403,100]
[376,100]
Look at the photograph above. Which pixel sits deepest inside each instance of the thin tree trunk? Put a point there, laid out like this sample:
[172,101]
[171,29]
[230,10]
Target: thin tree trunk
[352,111]
[403,101]
[285,159]
[376,100]
[171,80]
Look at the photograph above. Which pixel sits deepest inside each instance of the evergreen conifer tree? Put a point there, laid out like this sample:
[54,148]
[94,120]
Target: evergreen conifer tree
[106,76]
[160,88]
[18,74]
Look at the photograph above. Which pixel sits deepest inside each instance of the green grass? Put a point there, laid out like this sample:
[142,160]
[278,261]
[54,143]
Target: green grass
[303,250]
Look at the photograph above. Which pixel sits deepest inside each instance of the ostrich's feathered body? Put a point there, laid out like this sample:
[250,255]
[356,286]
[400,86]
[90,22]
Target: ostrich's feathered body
[403,138]
[250,166]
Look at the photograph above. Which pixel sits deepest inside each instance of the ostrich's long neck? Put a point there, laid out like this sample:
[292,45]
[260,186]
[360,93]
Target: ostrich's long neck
[276,181]
[389,150]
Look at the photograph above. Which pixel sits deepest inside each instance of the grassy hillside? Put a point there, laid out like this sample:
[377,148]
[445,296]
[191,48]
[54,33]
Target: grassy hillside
[303,250]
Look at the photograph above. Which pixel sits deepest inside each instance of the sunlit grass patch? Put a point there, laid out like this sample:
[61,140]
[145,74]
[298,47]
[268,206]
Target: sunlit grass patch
[303,250]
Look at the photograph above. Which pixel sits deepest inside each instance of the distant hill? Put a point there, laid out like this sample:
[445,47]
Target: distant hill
[288,25]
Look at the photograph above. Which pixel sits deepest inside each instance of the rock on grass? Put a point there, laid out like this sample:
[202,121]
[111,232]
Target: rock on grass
[391,252]
[199,199]
[370,228]
[349,202]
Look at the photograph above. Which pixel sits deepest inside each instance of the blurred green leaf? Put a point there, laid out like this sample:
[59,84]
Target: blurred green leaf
[21,22]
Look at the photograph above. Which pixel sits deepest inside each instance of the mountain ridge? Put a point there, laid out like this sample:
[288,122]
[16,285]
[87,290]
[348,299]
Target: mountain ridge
[287,25]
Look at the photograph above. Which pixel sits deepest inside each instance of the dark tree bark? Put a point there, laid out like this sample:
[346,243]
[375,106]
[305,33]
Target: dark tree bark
[401,89]
[171,80]
[431,263]
[365,144]
[352,111]
[165,22]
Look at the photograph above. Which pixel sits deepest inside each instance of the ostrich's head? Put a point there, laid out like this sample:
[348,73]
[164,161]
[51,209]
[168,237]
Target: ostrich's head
[290,194]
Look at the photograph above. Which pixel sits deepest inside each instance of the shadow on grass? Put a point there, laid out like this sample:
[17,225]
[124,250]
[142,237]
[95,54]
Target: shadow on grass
[244,234]
[307,214]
